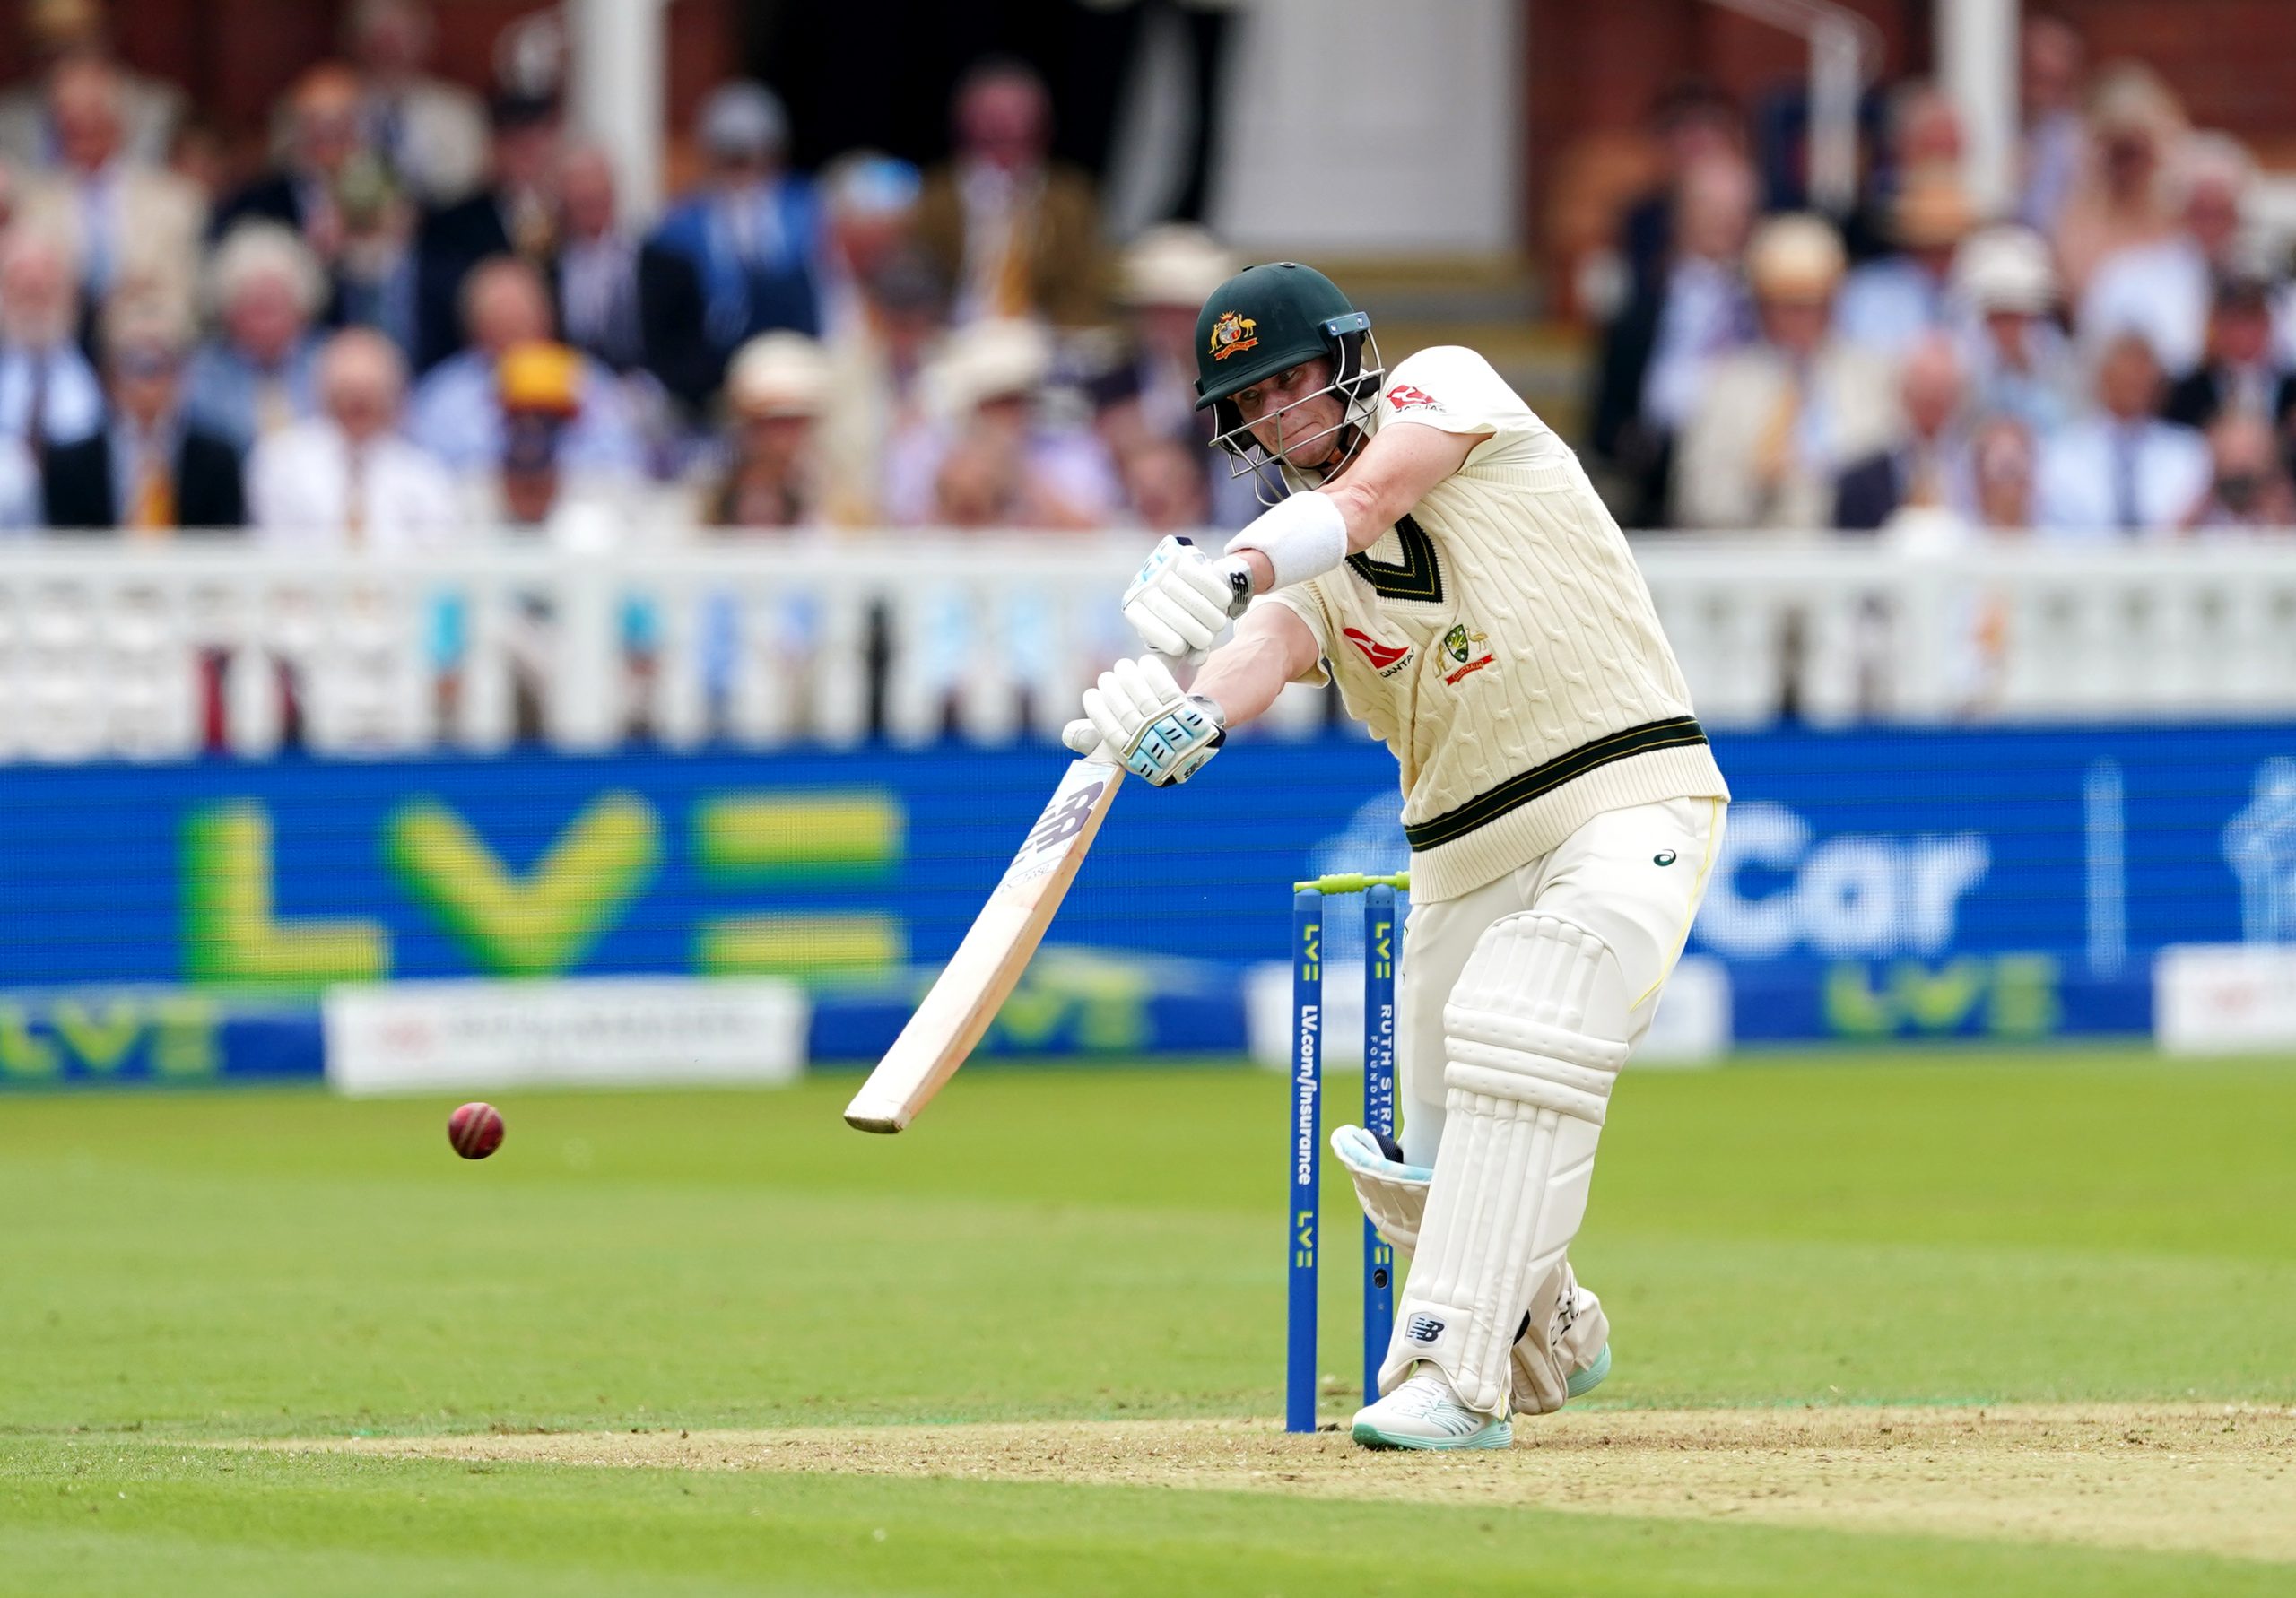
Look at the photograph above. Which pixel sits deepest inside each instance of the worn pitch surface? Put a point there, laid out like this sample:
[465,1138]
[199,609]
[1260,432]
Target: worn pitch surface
[2208,1478]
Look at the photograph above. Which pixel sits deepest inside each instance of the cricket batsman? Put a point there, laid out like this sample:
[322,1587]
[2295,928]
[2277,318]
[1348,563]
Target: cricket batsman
[1442,555]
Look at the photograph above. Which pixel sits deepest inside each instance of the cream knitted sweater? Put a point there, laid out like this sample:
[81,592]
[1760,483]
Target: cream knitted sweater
[1500,641]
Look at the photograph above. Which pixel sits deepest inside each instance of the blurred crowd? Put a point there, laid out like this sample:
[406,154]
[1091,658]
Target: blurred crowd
[428,314]
[2114,355]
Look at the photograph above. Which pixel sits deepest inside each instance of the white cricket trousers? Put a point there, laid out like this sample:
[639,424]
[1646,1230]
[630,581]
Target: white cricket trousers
[1632,877]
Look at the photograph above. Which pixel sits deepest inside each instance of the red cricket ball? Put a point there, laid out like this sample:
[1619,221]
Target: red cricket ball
[475,1130]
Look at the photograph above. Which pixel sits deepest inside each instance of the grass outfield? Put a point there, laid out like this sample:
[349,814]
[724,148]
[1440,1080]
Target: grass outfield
[281,1343]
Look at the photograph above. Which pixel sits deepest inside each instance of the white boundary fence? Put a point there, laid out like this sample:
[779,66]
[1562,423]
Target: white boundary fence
[134,652]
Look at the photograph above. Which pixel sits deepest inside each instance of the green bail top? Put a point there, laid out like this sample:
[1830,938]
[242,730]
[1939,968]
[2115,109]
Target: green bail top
[1352,881]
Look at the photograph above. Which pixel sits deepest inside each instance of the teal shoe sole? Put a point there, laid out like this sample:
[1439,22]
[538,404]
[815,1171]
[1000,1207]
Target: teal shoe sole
[1583,1382]
[1494,1434]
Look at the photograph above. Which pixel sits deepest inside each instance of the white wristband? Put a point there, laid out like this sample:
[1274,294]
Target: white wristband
[1302,536]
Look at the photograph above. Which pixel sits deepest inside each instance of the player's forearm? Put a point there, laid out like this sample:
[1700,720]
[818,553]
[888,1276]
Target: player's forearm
[1244,675]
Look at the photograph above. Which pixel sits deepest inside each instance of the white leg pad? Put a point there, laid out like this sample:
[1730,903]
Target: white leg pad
[1535,1033]
[1566,1328]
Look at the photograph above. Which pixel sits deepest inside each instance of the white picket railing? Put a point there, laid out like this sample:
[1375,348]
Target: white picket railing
[116,652]
[1843,630]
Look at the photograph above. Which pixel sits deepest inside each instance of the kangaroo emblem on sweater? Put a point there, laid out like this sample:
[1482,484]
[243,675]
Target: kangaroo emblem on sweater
[1459,644]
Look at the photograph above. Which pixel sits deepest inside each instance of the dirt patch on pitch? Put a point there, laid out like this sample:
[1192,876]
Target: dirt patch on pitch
[2209,1478]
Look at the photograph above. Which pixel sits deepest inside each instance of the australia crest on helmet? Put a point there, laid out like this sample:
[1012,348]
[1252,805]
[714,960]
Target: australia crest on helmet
[1231,333]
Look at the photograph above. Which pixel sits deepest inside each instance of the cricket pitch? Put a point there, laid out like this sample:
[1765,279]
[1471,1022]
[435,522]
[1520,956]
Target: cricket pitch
[2208,1478]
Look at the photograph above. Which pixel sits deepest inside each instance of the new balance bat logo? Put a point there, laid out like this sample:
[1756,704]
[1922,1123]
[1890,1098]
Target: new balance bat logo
[1065,822]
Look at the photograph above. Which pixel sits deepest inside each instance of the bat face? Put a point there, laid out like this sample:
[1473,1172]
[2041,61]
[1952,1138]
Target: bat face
[995,950]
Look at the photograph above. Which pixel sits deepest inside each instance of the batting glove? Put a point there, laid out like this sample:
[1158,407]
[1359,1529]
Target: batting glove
[1183,598]
[1139,714]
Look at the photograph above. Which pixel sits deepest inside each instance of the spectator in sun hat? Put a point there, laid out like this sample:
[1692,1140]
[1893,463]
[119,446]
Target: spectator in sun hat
[1149,397]
[1781,418]
[1161,283]
[984,395]
[540,388]
[776,389]
[2019,361]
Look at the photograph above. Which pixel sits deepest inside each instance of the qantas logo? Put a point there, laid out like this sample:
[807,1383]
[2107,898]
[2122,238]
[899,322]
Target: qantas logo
[1402,396]
[1386,659]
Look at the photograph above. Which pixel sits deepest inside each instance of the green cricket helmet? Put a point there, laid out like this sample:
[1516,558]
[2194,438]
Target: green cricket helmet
[1265,320]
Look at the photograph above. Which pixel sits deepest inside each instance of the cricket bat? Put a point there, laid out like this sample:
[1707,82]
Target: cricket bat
[987,965]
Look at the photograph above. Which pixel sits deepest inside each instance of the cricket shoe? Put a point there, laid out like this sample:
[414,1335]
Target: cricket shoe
[1423,1413]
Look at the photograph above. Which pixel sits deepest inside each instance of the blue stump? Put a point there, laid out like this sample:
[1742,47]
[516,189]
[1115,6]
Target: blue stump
[1306,1138]
[1379,1118]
